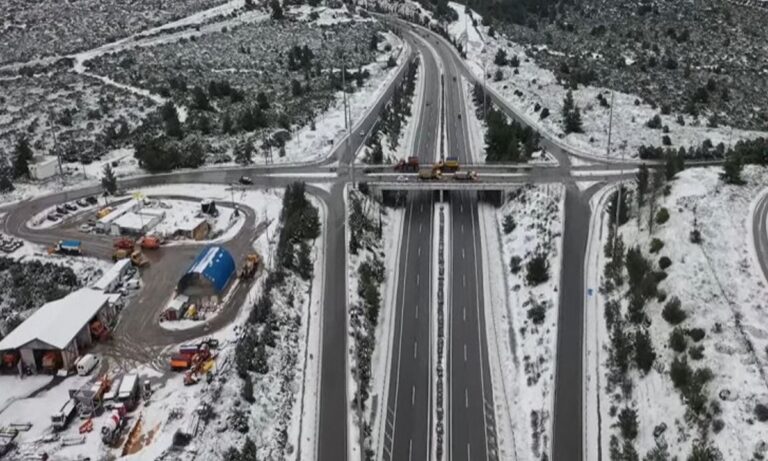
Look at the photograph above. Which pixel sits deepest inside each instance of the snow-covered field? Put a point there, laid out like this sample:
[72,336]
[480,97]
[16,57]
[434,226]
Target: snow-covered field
[540,86]
[720,287]
[178,213]
[524,349]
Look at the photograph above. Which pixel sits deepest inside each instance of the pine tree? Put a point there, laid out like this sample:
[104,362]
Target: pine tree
[200,99]
[642,184]
[247,391]
[573,122]
[568,104]
[226,123]
[644,354]
[262,101]
[304,263]
[109,181]
[22,157]
[261,365]
[248,453]
[657,182]
[244,152]
[628,423]
[5,184]
[501,57]
[732,169]
[171,118]
[277,10]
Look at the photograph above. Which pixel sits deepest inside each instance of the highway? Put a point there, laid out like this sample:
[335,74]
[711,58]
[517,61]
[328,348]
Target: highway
[408,427]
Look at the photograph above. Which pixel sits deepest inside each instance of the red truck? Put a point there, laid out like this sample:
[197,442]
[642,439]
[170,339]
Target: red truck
[411,165]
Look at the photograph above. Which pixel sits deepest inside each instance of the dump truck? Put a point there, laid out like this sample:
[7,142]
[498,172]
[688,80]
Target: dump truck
[124,243]
[431,174]
[250,266]
[149,242]
[68,247]
[64,416]
[120,254]
[138,259]
[191,354]
[465,176]
[450,165]
[411,165]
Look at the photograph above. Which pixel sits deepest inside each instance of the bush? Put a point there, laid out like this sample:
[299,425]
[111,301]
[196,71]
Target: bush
[680,372]
[696,334]
[672,312]
[509,224]
[537,314]
[654,122]
[544,113]
[662,216]
[666,140]
[515,264]
[761,412]
[659,276]
[695,237]
[538,270]
[677,340]
[696,352]
[717,425]
[628,423]
[664,262]
[656,245]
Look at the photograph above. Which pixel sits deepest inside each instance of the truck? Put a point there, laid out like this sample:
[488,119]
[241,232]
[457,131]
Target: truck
[250,265]
[124,243]
[110,430]
[431,174]
[128,393]
[64,416]
[149,242]
[465,176]
[449,165]
[69,247]
[410,165]
[138,259]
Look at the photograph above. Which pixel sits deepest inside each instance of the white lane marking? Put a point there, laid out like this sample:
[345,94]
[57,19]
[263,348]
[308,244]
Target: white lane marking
[469,456]
[465,352]
[416,349]
[462,228]
[464,313]
[417,311]
[421,208]
[413,395]
[417,279]
[464,280]
[419,251]
[461,208]
[466,398]
[410,449]
[462,254]
[420,225]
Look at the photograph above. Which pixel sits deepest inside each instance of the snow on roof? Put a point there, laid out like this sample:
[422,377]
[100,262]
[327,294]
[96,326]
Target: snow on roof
[114,273]
[215,264]
[119,211]
[57,322]
[190,224]
[132,220]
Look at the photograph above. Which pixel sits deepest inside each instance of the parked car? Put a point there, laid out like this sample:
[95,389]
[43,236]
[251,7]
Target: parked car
[92,200]
[70,207]
[61,210]
[52,217]
[85,228]
[246,180]
[82,203]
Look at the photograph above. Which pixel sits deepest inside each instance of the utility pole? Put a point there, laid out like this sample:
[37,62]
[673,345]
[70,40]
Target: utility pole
[485,90]
[56,147]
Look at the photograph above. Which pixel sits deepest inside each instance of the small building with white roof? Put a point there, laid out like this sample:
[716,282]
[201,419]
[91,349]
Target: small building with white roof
[111,279]
[57,333]
[104,224]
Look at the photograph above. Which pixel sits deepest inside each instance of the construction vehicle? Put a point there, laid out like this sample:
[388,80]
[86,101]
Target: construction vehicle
[128,393]
[99,330]
[250,266]
[120,254]
[67,247]
[431,174]
[465,176]
[10,360]
[449,165]
[110,430]
[410,165]
[124,243]
[51,361]
[138,259]
[192,354]
[62,418]
[149,242]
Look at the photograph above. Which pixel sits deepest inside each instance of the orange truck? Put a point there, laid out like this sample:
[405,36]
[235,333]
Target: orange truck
[149,242]
[124,243]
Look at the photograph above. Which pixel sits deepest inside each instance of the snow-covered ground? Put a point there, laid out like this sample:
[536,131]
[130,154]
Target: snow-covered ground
[178,213]
[540,86]
[523,349]
[16,387]
[387,250]
[87,269]
[720,287]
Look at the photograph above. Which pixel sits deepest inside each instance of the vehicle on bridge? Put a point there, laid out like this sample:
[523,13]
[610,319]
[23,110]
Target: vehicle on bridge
[411,165]
[450,164]
[67,247]
[431,174]
[465,176]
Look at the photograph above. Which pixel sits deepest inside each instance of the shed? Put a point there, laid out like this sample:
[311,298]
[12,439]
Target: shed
[104,224]
[136,222]
[195,229]
[43,168]
[209,273]
[59,327]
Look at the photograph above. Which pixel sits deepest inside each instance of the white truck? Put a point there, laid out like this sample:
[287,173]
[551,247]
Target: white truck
[61,419]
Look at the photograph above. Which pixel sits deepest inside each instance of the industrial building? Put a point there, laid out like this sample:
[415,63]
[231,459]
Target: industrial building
[57,333]
[208,275]
[43,167]
[136,222]
[195,229]
[104,224]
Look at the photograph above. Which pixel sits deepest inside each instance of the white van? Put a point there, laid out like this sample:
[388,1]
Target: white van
[86,364]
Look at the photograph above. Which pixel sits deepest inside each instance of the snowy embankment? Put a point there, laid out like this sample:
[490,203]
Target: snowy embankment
[722,330]
[382,252]
[528,86]
[522,313]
